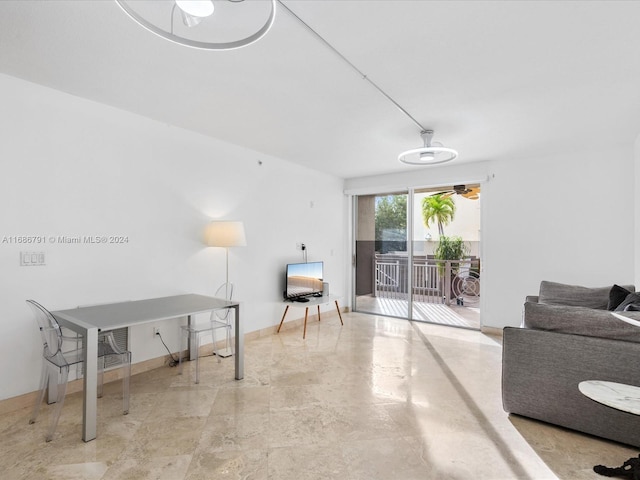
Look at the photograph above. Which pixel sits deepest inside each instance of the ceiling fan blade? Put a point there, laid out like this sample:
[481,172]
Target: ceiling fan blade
[471,193]
[448,193]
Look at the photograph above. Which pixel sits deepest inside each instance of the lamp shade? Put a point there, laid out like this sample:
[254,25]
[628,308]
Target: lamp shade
[225,234]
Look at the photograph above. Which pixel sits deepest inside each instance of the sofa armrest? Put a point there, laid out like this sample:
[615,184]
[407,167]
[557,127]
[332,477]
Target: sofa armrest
[532,298]
[541,371]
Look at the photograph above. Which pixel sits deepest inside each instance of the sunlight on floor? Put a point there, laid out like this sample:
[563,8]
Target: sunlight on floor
[379,398]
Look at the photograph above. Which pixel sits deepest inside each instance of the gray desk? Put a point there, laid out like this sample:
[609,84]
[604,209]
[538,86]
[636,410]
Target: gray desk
[88,321]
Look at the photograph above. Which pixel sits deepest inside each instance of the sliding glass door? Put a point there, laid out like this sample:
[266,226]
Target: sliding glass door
[446,262]
[435,277]
[381,257]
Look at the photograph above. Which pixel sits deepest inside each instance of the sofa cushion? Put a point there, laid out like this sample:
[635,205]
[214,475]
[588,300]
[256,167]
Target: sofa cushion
[580,321]
[553,293]
[631,302]
[617,295]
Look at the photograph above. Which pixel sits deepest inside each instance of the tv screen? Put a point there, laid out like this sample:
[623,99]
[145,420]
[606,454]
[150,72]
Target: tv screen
[303,279]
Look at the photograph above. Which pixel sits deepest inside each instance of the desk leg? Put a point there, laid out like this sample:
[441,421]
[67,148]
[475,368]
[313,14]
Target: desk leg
[283,315]
[192,348]
[306,314]
[90,405]
[239,357]
[318,312]
[339,314]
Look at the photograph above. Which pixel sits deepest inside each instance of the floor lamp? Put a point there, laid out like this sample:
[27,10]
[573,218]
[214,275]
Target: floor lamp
[226,234]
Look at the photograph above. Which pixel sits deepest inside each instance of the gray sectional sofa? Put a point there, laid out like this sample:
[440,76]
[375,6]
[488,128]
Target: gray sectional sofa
[568,335]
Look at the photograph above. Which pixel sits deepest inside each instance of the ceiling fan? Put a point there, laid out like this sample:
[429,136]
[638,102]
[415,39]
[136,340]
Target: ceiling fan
[472,192]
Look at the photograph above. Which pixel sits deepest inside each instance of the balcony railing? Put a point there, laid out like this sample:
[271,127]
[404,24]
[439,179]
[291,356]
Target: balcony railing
[433,281]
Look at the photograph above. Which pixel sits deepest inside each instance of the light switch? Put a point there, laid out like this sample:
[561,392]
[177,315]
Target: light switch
[32,259]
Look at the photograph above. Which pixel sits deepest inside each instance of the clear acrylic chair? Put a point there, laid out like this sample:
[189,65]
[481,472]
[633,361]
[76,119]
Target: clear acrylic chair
[58,360]
[193,333]
[224,318]
[109,338]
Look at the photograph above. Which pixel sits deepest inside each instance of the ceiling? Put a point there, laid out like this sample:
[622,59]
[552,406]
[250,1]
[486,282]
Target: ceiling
[496,80]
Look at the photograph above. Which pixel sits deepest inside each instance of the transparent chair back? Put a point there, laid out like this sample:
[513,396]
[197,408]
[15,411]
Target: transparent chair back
[224,317]
[58,359]
[193,333]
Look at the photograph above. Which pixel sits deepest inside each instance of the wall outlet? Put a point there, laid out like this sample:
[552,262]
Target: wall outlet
[156,331]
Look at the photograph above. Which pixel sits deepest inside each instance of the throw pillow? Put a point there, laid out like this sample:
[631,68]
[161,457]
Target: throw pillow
[617,295]
[631,299]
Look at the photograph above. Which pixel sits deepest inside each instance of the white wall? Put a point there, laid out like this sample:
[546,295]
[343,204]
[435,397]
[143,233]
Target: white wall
[566,217]
[73,167]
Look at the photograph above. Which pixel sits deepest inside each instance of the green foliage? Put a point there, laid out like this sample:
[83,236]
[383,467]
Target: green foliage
[450,248]
[391,216]
[439,209]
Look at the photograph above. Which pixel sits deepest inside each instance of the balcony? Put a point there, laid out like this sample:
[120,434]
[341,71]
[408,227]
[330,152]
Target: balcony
[443,292]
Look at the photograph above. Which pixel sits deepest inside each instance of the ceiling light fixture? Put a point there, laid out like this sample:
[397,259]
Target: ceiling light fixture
[432,153]
[158,17]
[194,11]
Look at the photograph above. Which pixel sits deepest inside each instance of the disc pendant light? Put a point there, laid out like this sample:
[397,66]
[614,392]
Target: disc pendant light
[432,153]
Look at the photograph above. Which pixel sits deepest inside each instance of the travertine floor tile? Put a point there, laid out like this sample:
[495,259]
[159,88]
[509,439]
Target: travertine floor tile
[377,398]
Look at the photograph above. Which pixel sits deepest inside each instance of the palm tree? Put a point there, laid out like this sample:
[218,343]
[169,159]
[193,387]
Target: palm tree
[438,208]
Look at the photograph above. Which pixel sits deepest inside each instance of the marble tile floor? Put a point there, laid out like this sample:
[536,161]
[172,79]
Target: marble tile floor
[452,315]
[379,398]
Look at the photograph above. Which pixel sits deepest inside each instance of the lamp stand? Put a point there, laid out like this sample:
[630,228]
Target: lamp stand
[226,290]
[226,234]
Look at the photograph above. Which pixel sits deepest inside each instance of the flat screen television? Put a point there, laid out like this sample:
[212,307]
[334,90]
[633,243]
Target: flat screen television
[303,280]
